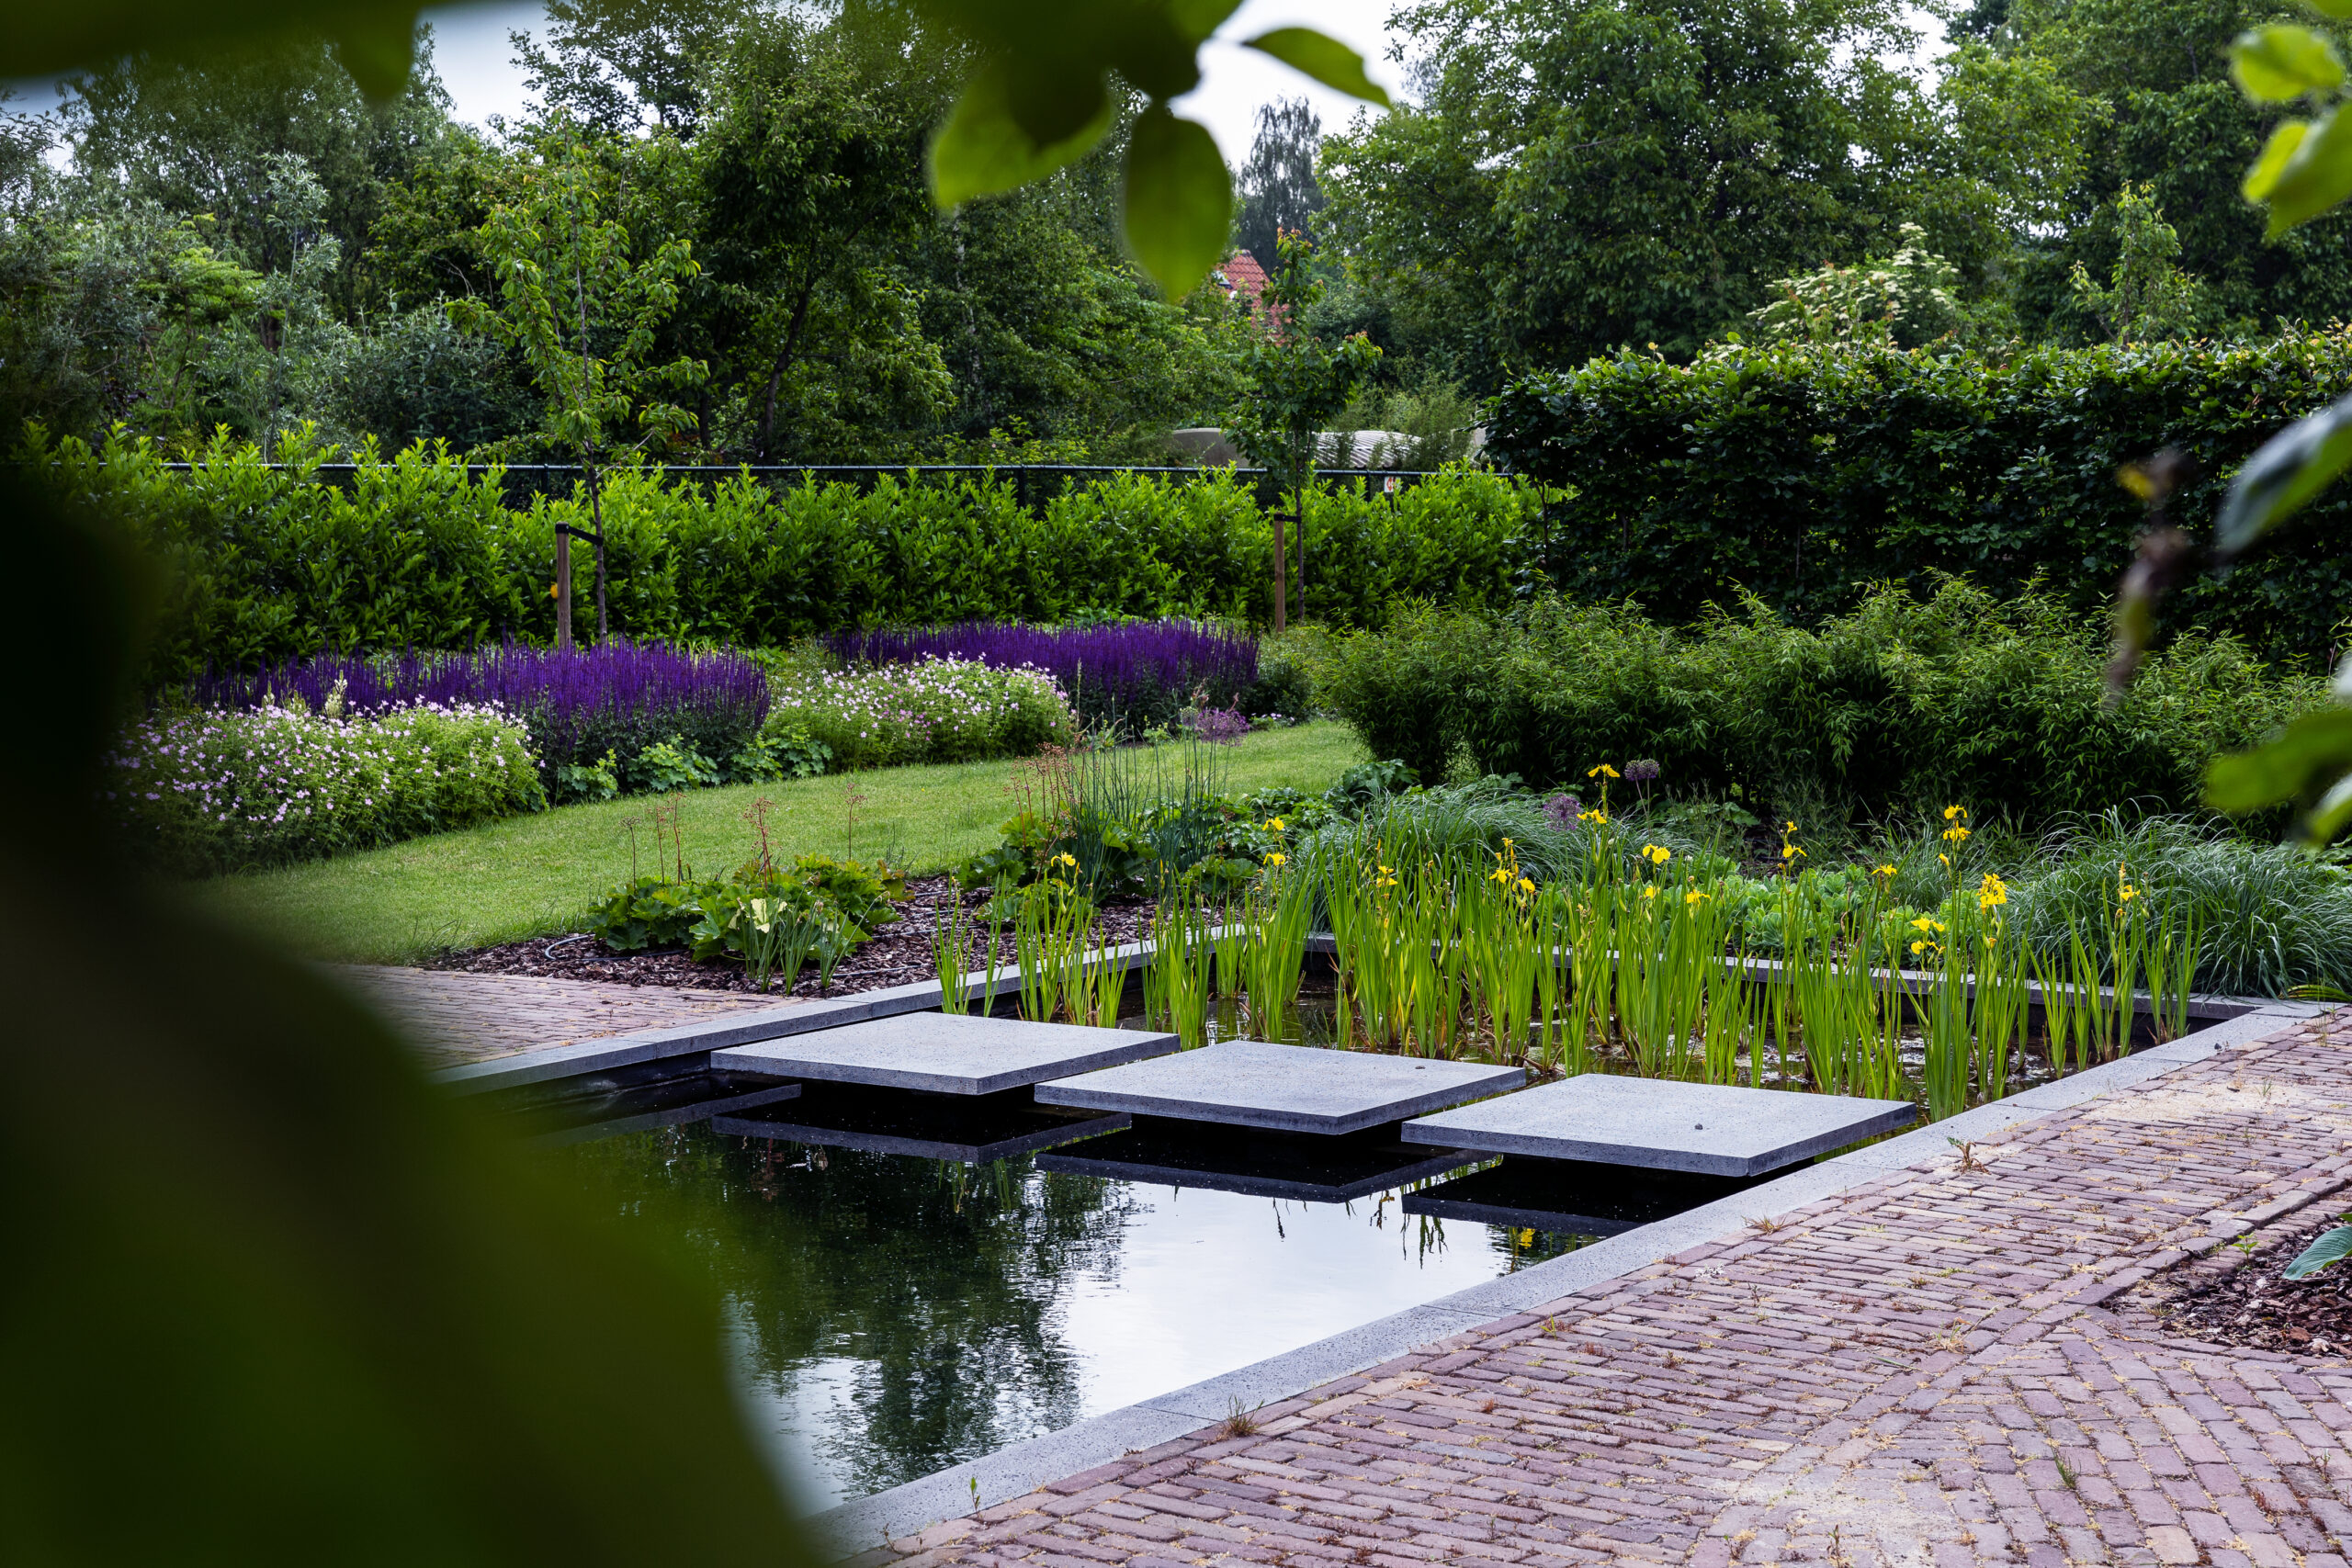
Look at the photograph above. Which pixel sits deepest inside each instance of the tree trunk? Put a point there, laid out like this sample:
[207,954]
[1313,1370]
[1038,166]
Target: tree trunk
[562,589]
[1281,572]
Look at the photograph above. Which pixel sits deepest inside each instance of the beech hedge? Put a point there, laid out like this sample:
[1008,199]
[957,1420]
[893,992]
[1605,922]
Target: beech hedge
[1801,474]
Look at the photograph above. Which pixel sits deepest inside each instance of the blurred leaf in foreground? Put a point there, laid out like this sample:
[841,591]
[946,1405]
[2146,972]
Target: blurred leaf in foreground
[271,1297]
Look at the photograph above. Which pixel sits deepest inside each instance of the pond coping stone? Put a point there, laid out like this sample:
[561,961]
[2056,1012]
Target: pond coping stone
[944,1052]
[1286,1089]
[1659,1124]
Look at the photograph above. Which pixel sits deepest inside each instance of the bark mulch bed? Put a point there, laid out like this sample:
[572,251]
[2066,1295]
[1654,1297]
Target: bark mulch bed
[2230,1297]
[899,954]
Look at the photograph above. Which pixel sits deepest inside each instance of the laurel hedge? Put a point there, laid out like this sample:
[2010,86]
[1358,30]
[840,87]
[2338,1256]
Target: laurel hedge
[262,562]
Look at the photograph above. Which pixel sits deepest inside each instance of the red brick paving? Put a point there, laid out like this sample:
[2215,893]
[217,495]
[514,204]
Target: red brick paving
[1942,1369]
[457,1018]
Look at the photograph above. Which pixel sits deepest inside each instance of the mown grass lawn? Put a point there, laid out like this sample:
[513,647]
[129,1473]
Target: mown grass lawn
[531,875]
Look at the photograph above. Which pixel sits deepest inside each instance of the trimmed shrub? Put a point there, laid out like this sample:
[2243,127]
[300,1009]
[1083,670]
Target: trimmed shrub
[264,565]
[1800,474]
[1905,703]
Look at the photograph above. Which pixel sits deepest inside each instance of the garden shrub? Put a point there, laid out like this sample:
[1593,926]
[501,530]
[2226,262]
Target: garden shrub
[940,710]
[1801,473]
[199,792]
[1905,703]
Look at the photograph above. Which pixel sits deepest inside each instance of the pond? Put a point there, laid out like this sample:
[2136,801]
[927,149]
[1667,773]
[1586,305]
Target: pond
[892,1315]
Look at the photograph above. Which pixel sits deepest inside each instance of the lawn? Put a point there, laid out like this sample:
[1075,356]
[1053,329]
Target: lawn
[530,875]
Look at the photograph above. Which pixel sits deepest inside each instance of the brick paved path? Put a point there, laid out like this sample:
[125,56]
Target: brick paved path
[1944,1367]
[460,1017]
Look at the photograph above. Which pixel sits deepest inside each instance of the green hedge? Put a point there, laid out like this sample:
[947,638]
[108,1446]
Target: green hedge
[1800,474]
[265,563]
[1905,704]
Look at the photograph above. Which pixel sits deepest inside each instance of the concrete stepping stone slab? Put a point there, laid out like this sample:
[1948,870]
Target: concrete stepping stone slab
[1706,1129]
[1569,1197]
[943,1053]
[1302,1167]
[1286,1088]
[968,1129]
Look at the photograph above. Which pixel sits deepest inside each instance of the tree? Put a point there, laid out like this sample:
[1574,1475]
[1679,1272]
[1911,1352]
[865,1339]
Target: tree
[1624,172]
[1294,383]
[2169,122]
[610,64]
[211,138]
[585,309]
[2148,297]
[1278,193]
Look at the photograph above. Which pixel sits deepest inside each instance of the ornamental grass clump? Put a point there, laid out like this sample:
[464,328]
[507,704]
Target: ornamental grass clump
[1133,677]
[579,704]
[194,793]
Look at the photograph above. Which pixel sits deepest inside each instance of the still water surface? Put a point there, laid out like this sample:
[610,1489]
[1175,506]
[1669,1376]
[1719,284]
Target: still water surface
[891,1315]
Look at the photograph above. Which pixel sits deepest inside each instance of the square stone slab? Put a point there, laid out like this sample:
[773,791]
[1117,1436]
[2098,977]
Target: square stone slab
[1707,1129]
[943,1053]
[1287,1088]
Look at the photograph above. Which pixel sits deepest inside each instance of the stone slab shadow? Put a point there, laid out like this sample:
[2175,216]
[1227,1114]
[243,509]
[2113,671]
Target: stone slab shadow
[1287,1088]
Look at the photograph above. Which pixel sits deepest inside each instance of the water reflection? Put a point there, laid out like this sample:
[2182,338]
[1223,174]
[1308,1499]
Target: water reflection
[893,1315]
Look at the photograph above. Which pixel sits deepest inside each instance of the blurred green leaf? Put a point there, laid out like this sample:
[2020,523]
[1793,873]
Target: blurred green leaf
[2264,177]
[2291,468]
[983,149]
[2306,764]
[1196,19]
[2316,177]
[1324,58]
[2282,62]
[1178,200]
[2339,10]
[317,1307]
[374,37]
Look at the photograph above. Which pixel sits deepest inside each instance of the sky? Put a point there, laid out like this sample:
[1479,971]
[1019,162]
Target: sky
[472,52]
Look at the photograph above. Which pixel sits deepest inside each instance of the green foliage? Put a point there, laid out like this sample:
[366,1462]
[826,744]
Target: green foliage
[669,765]
[2271,918]
[2149,296]
[1575,178]
[718,917]
[1796,473]
[1907,299]
[192,793]
[596,780]
[1295,381]
[261,564]
[1904,704]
